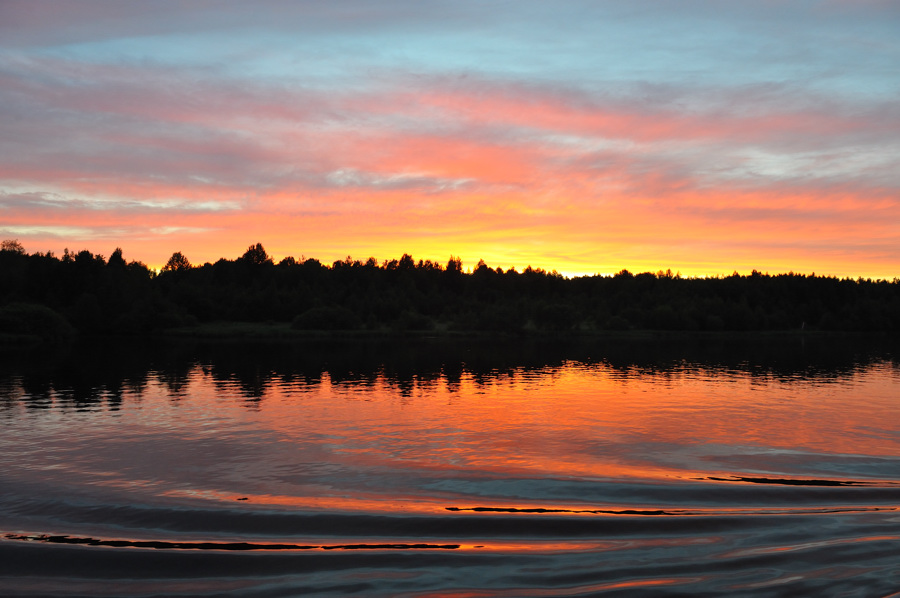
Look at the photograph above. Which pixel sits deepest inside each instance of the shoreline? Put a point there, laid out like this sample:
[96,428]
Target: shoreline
[230,332]
[283,331]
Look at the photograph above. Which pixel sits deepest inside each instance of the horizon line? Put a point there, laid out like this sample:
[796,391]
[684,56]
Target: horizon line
[567,274]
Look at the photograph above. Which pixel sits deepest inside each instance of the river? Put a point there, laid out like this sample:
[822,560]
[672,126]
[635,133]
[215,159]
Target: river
[467,467]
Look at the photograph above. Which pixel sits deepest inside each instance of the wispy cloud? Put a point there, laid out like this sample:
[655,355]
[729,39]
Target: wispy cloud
[592,133]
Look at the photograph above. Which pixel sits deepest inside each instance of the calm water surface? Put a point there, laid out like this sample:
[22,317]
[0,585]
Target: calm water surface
[436,468]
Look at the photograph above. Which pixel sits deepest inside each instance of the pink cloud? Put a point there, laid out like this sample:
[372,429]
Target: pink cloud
[479,169]
[161,124]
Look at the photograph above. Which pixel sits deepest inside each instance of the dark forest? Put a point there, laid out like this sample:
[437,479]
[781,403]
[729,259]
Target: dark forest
[47,297]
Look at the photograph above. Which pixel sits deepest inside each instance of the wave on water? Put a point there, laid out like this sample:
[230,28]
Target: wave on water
[439,471]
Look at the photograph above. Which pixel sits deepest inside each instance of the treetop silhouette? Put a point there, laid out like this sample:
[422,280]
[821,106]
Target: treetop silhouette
[91,294]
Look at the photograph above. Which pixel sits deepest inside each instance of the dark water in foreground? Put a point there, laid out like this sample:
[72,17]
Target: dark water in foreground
[436,468]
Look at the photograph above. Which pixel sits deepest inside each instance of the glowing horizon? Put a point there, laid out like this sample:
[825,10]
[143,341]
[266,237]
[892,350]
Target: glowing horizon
[586,138]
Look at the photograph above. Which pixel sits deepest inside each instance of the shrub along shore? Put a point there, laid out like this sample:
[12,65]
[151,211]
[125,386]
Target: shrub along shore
[47,297]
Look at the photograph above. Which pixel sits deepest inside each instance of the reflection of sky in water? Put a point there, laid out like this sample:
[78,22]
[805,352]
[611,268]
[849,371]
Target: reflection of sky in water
[514,471]
[201,429]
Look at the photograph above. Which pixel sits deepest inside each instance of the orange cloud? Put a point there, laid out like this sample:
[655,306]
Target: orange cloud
[518,175]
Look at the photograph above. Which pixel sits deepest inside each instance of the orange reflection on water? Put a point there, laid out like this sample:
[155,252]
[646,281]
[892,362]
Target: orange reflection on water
[361,501]
[409,504]
[589,422]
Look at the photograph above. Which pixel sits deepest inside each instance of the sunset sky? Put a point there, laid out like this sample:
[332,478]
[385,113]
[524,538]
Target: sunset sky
[586,137]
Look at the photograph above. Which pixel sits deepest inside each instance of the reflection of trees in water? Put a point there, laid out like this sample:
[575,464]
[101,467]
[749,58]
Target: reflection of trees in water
[37,392]
[176,378]
[784,359]
[103,375]
[251,383]
[11,393]
[89,376]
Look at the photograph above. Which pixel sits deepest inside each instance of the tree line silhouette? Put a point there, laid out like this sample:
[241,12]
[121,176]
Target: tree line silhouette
[47,296]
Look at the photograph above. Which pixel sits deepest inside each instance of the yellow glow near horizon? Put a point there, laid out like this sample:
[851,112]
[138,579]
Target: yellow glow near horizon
[493,147]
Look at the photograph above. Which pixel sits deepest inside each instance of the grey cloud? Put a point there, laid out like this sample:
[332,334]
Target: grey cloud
[349,177]
[41,201]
